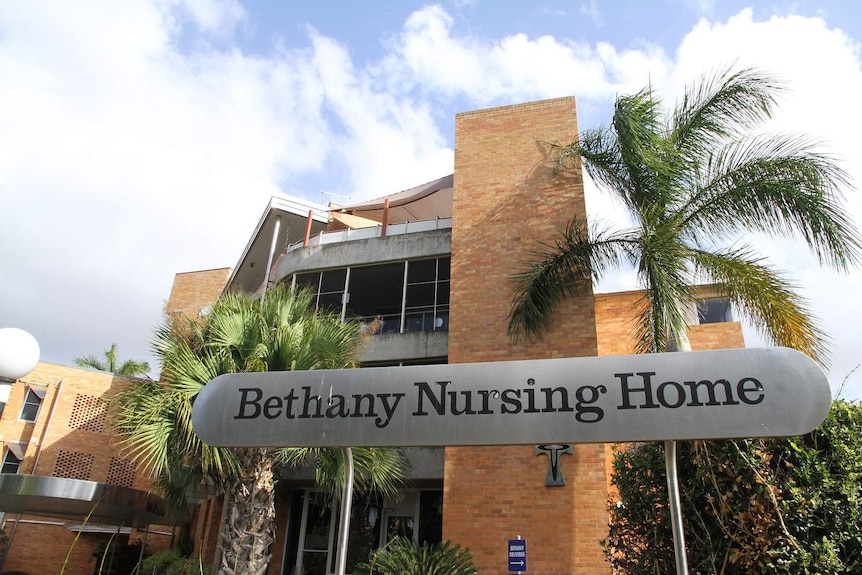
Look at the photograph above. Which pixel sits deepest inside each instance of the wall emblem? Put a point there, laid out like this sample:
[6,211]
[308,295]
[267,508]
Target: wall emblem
[555,471]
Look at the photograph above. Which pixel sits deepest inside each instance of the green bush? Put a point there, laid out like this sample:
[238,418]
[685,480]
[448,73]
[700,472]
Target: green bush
[163,559]
[789,506]
[401,557]
[188,566]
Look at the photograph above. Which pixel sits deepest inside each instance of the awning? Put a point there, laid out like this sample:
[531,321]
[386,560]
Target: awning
[76,499]
[17,448]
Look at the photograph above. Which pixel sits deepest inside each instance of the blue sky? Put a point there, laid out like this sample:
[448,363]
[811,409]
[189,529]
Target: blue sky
[143,138]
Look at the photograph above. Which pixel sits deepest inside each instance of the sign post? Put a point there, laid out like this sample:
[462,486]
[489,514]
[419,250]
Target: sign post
[517,555]
[723,394]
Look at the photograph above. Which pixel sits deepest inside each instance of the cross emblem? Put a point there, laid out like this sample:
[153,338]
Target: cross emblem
[555,471]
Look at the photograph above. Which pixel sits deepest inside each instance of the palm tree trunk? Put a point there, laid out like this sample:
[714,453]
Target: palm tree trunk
[249,528]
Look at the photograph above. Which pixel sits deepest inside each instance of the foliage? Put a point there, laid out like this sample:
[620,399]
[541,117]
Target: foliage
[773,506]
[188,566]
[162,559]
[690,181]
[403,557]
[112,364]
[282,332]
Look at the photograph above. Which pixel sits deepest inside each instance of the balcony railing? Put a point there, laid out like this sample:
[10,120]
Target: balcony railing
[414,320]
[374,232]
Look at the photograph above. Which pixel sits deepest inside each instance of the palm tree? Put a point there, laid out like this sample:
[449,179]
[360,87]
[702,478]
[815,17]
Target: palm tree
[281,333]
[690,181]
[128,368]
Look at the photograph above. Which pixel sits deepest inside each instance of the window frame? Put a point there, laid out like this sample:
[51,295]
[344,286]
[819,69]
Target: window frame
[28,404]
[6,462]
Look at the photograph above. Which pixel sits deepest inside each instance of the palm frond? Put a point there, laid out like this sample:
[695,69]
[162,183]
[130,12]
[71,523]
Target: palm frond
[563,270]
[663,270]
[766,299]
[781,186]
[689,181]
[378,469]
[720,107]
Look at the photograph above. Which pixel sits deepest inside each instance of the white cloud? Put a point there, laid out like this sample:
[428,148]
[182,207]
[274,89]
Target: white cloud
[124,160]
[133,149]
[429,55]
[216,17]
[591,10]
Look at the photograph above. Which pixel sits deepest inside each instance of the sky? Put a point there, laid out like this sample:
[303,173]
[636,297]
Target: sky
[143,138]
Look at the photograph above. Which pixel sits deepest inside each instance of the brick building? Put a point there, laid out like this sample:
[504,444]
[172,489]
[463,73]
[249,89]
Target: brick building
[429,272]
[63,475]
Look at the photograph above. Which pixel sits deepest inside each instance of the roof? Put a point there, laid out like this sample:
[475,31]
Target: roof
[426,202]
[292,213]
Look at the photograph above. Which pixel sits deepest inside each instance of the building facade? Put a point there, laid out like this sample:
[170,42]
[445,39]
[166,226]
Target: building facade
[428,271]
[64,485]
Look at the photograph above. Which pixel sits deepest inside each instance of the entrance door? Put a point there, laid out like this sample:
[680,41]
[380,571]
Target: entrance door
[316,536]
[401,519]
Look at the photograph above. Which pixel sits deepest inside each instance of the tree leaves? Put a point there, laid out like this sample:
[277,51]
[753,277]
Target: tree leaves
[786,506]
[691,179]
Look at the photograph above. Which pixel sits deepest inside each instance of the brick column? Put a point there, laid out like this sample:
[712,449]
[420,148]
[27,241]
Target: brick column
[506,199]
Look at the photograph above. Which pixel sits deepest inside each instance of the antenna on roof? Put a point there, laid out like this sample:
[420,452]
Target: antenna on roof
[332,194]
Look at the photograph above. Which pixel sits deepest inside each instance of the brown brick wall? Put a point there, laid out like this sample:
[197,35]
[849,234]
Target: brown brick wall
[616,314]
[193,291]
[506,199]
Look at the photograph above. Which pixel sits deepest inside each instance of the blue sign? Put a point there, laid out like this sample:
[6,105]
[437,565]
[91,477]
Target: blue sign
[517,555]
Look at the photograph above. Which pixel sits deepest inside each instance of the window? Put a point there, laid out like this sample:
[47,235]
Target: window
[327,286]
[12,460]
[426,305]
[714,311]
[32,402]
[375,294]
[379,298]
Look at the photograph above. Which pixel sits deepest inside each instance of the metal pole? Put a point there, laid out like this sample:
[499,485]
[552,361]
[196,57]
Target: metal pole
[675,508]
[346,504]
[269,259]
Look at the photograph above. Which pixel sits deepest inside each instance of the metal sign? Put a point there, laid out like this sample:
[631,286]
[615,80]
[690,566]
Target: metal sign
[517,555]
[760,392]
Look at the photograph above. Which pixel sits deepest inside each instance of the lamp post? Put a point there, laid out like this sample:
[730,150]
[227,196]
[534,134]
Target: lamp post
[19,353]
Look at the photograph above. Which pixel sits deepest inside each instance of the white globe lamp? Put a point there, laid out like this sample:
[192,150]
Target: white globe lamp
[19,353]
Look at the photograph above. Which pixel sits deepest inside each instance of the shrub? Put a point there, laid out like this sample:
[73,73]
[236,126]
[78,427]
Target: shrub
[788,506]
[158,563]
[402,557]
[188,566]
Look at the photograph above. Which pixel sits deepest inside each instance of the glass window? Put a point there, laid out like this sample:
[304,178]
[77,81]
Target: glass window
[427,302]
[327,287]
[375,294]
[11,463]
[30,409]
[377,297]
[430,517]
[714,311]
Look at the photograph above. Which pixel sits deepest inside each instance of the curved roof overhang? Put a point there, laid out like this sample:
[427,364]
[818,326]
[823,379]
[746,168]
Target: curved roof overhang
[77,500]
[426,202]
[292,216]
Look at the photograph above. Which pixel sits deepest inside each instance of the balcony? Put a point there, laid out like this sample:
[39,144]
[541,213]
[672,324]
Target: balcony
[352,234]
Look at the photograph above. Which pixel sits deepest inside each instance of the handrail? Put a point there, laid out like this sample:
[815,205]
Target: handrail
[351,234]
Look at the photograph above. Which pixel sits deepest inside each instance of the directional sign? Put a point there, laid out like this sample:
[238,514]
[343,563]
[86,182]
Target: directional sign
[767,392]
[517,555]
